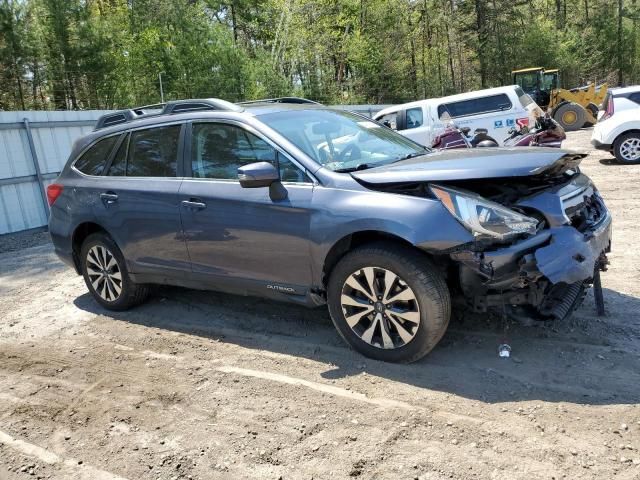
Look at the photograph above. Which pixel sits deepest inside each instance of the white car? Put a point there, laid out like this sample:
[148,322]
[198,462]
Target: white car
[618,127]
[496,109]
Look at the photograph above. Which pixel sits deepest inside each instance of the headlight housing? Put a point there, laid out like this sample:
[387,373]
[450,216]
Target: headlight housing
[482,217]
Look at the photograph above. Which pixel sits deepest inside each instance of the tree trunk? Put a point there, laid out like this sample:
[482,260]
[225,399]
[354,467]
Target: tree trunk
[234,25]
[422,56]
[634,41]
[620,76]
[16,72]
[586,11]
[482,40]
[413,74]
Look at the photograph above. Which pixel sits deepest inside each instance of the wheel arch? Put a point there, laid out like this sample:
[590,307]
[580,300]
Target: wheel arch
[356,239]
[625,132]
[80,233]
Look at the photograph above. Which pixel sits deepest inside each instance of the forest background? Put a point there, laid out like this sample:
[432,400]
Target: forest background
[104,54]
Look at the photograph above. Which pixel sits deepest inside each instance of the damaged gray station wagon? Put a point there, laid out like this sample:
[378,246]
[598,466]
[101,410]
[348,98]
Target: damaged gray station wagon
[316,206]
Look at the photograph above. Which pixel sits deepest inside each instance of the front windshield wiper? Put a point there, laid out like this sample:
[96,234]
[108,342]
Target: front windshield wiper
[410,155]
[360,166]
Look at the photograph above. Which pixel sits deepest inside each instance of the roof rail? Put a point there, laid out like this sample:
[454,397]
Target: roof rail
[297,100]
[168,108]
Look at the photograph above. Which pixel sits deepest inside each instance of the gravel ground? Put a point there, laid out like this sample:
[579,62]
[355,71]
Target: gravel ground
[12,242]
[208,386]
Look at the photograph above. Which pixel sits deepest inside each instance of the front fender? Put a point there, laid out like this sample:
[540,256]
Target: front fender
[422,222]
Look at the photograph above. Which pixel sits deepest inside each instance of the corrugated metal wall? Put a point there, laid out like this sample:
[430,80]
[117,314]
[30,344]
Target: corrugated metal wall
[22,185]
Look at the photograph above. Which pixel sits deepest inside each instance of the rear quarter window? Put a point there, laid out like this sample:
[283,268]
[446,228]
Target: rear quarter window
[635,97]
[93,161]
[475,106]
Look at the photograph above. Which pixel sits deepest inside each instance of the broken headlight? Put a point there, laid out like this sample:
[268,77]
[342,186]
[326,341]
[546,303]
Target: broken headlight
[485,219]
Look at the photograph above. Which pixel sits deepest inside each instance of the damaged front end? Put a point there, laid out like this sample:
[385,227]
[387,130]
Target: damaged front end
[543,275]
[540,230]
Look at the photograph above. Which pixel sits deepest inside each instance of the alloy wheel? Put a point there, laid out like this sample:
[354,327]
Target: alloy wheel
[104,273]
[380,307]
[630,149]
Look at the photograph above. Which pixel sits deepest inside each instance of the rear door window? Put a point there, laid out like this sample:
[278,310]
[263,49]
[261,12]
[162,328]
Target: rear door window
[414,117]
[119,163]
[475,106]
[154,152]
[94,160]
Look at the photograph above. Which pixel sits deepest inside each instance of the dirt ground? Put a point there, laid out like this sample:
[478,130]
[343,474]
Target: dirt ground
[199,385]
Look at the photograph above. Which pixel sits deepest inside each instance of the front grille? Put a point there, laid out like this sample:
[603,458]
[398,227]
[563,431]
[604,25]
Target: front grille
[584,208]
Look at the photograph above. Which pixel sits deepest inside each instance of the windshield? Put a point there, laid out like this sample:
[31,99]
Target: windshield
[528,81]
[342,141]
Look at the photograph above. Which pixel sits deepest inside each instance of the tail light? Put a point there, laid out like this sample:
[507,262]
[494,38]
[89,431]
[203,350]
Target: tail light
[522,122]
[53,192]
[608,113]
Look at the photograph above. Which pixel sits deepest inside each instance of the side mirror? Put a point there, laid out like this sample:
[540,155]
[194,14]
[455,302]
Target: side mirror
[258,174]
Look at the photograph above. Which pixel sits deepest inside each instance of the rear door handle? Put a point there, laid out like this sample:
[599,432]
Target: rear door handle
[194,204]
[109,197]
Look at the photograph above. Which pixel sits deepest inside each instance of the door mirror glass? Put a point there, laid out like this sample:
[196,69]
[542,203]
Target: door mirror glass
[258,174]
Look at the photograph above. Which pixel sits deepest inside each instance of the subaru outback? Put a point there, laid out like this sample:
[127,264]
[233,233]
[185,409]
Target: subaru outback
[316,206]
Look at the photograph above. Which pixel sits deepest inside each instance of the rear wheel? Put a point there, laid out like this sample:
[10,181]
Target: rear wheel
[105,274]
[570,116]
[388,302]
[627,148]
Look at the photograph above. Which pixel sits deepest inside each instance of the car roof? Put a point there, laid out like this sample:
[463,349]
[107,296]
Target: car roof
[451,98]
[254,109]
[623,90]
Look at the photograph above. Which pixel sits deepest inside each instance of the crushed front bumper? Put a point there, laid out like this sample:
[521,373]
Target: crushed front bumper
[547,273]
[572,256]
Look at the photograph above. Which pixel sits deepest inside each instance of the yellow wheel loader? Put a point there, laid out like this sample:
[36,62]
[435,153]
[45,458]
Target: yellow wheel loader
[572,109]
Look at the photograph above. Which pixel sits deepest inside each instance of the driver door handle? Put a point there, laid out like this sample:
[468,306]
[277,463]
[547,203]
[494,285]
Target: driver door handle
[194,204]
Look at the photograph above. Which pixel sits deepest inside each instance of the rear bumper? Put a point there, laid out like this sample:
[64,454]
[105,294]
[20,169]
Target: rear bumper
[61,233]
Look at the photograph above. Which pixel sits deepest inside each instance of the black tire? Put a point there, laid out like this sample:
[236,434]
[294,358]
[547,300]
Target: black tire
[621,153]
[415,271]
[593,109]
[130,294]
[570,116]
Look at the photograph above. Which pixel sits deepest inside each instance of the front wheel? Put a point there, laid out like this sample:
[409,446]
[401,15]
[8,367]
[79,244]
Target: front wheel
[105,274]
[388,302]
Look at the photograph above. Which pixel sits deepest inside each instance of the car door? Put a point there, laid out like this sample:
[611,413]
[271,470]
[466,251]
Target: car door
[415,125]
[138,201]
[243,236]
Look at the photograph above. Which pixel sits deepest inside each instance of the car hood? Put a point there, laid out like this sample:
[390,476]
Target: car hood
[468,164]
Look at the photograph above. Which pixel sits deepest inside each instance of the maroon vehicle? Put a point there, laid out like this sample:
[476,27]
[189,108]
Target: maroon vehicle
[546,133]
